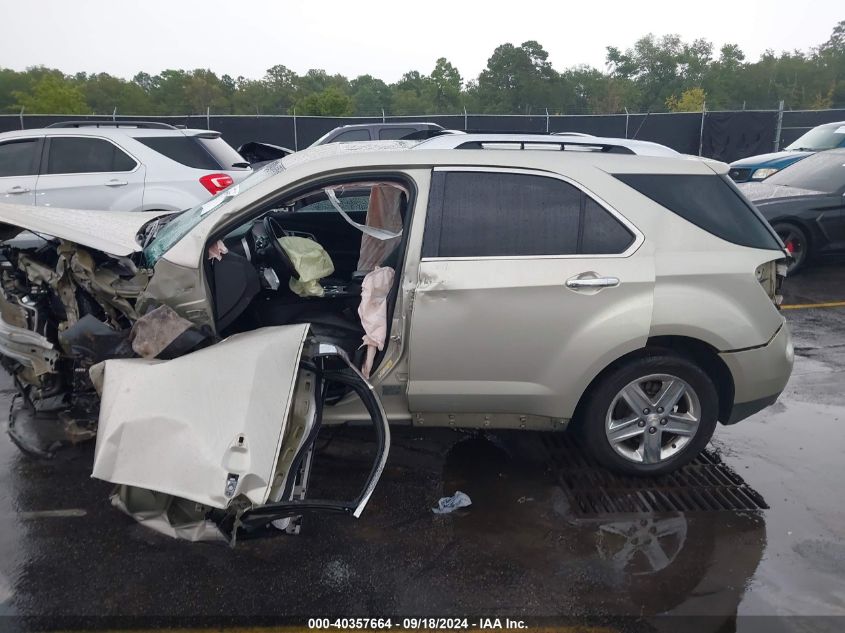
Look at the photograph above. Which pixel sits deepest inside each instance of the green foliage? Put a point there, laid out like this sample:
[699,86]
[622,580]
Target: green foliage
[103,93]
[329,102]
[656,73]
[691,100]
[369,94]
[445,83]
[51,95]
[516,78]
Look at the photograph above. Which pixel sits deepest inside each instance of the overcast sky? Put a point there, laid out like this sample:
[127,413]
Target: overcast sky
[381,38]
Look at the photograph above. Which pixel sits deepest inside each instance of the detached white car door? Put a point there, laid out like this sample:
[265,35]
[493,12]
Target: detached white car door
[230,422]
[528,286]
[85,172]
[19,161]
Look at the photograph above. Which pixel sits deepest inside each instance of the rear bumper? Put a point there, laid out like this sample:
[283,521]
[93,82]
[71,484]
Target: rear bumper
[29,348]
[759,374]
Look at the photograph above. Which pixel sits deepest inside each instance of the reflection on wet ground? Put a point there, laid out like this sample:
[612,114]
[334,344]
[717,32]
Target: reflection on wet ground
[521,549]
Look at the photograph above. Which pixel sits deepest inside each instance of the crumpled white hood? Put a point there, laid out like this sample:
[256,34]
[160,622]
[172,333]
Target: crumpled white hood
[111,232]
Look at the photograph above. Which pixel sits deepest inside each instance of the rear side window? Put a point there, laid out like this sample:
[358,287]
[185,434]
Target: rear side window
[86,156]
[351,135]
[481,214]
[19,158]
[602,233]
[185,150]
[393,133]
[710,202]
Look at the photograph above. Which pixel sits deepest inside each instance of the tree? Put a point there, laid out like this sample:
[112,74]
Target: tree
[329,102]
[12,82]
[446,83]
[370,95]
[252,96]
[281,90]
[204,90]
[586,90]
[103,93]
[318,80]
[835,45]
[516,78]
[408,102]
[168,93]
[412,94]
[691,100]
[653,65]
[52,95]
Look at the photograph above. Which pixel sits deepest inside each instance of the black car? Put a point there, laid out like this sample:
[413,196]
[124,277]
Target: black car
[805,205]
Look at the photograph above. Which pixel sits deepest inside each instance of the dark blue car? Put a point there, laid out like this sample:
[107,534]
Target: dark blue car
[822,137]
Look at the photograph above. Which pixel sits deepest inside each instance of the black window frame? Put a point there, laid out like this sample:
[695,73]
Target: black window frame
[45,156]
[436,200]
[35,166]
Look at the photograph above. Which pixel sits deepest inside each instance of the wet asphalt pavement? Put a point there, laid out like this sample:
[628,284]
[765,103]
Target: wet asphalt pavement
[519,551]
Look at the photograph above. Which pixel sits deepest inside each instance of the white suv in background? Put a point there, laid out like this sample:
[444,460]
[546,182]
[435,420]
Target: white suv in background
[119,166]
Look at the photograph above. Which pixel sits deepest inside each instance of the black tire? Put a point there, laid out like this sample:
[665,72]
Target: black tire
[797,243]
[592,425]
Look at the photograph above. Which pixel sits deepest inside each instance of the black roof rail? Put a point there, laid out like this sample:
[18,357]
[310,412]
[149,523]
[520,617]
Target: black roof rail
[151,125]
[607,148]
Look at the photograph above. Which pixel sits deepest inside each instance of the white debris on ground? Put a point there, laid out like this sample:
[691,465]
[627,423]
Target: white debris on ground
[450,504]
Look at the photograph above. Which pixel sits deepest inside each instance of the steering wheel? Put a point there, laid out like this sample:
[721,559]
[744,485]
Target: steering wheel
[272,231]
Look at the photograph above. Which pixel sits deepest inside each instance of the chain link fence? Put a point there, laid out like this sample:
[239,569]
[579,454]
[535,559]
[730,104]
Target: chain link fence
[724,135]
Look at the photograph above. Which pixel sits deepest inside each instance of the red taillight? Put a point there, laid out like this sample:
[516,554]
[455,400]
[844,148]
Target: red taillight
[216,183]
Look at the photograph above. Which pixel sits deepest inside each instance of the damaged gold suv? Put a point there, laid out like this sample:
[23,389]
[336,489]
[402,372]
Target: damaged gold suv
[453,282]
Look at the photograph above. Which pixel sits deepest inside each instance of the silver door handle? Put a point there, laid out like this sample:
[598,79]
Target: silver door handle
[595,282]
[115,183]
[17,189]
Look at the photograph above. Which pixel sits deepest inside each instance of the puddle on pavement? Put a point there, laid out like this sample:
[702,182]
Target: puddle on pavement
[612,565]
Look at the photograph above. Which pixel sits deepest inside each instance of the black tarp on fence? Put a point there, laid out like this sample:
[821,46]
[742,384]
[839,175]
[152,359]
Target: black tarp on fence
[725,136]
[731,135]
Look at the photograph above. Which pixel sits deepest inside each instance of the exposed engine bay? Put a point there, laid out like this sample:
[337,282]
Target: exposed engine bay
[324,261]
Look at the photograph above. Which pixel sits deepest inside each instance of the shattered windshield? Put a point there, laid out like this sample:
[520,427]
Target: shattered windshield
[183,222]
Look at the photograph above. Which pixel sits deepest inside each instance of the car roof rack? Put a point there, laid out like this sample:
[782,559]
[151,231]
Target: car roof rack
[547,142]
[150,125]
[562,145]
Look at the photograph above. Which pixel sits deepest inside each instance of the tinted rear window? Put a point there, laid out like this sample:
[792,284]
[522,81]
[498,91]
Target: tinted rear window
[711,203]
[200,153]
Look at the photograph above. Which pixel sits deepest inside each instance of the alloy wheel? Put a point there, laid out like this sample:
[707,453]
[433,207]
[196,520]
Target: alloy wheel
[653,418]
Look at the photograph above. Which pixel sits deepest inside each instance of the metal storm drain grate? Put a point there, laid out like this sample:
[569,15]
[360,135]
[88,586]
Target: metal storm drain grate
[704,485]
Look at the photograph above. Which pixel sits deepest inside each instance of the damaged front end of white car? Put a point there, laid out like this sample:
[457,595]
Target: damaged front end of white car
[204,438]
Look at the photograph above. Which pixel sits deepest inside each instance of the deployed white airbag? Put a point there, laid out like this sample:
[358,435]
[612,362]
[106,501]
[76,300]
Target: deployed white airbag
[373,313]
[206,426]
